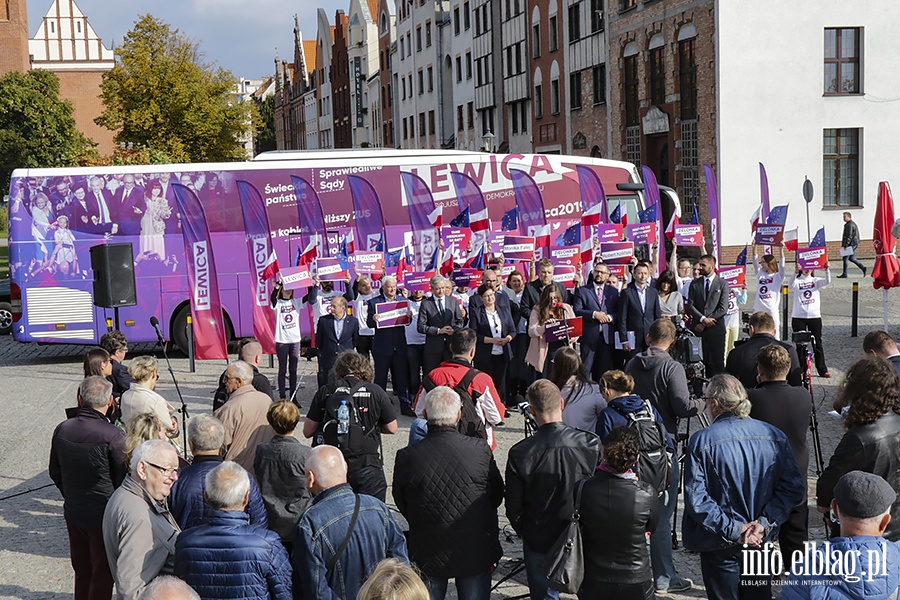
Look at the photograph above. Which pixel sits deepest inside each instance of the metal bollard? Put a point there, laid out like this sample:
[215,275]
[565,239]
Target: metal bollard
[271,361]
[190,336]
[784,313]
[109,324]
[854,311]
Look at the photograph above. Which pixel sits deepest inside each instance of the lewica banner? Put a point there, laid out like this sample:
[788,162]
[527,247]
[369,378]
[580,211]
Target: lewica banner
[293,278]
[810,259]
[206,307]
[689,235]
[735,277]
[392,314]
[256,225]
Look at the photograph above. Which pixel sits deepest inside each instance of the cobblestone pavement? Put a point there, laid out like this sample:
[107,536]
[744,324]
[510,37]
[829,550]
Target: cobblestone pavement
[38,382]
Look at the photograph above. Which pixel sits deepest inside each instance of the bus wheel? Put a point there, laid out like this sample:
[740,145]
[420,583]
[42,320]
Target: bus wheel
[5,318]
[179,334]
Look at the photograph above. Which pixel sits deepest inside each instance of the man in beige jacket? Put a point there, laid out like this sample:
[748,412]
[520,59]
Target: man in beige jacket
[244,416]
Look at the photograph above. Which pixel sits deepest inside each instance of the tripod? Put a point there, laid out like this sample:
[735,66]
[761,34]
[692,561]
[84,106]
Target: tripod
[813,420]
[682,438]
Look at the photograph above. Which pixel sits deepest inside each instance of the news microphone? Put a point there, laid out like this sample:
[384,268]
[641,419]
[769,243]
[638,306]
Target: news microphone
[557,305]
[155,322]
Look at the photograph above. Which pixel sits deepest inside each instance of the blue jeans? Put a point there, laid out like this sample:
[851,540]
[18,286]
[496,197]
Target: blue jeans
[417,431]
[536,573]
[474,587]
[723,581]
[661,539]
[852,258]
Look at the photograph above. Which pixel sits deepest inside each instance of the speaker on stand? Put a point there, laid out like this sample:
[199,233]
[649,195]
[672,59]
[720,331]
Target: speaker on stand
[114,286]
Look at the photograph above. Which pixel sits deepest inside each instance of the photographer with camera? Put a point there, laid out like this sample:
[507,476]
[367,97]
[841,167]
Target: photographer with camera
[807,311]
[742,360]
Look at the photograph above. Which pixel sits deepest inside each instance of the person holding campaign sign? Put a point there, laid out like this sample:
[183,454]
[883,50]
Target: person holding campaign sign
[807,311]
[287,337]
[389,344]
[770,275]
[549,311]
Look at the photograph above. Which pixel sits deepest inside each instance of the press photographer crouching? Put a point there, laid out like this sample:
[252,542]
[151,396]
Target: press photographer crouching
[743,359]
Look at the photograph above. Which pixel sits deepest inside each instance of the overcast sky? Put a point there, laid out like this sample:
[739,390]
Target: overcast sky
[239,35]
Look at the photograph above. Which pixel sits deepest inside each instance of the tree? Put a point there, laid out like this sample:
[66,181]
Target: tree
[162,96]
[37,129]
[265,133]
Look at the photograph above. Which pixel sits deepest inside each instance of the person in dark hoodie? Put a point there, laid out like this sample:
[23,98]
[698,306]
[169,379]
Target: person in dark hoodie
[660,379]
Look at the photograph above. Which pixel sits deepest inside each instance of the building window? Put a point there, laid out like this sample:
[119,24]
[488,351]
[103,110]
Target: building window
[687,79]
[430,122]
[458,69]
[633,145]
[596,16]
[515,118]
[626,5]
[430,79]
[456,21]
[538,102]
[409,44]
[841,167]
[842,50]
[519,57]
[419,38]
[575,90]
[421,124]
[690,167]
[428,34]
[523,106]
[599,84]
[467,17]
[486,17]
[554,96]
[553,33]
[632,116]
[421,82]
[459,118]
[477,22]
[479,73]
[470,114]
[509,61]
[405,130]
[657,77]
[468,65]
[535,41]
[575,22]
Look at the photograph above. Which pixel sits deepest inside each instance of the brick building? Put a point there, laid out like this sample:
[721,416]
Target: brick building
[340,82]
[548,71]
[14,37]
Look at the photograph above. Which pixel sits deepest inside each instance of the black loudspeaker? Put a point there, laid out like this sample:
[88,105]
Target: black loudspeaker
[113,266]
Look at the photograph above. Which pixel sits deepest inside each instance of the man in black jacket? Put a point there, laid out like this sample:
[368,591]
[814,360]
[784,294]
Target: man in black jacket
[439,317]
[87,465]
[116,344]
[850,241]
[533,290]
[449,488]
[336,332]
[541,473]
[789,409]
[742,360]
[707,305]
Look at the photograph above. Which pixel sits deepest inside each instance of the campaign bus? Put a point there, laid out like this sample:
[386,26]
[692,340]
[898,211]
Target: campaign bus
[57,215]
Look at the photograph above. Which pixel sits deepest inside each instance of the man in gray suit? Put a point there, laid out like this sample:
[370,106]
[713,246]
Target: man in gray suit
[708,303]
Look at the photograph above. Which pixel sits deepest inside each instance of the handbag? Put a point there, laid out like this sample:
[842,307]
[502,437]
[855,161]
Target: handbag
[565,561]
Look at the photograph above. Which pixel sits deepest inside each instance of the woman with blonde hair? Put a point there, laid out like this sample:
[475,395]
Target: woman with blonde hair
[393,580]
[549,311]
[140,428]
[142,397]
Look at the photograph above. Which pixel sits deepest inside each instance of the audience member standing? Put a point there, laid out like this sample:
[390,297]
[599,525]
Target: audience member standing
[880,343]
[227,557]
[541,472]
[807,312]
[250,351]
[597,303]
[115,343]
[583,401]
[389,347]
[86,464]
[708,305]
[139,532]
[244,416]
[448,487]
[343,535]
[141,397]
[495,331]
[439,317]
[850,241]
[742,360]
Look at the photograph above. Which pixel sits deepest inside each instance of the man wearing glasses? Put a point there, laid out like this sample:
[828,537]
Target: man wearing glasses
[139,532]
[596,304]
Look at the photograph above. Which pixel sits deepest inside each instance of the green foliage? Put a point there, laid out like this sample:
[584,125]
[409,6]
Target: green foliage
[265,132]
[162,96]
[36,128]
[132,156]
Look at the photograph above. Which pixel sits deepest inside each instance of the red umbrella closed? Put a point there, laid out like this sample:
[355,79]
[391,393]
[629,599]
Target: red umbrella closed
[886,273]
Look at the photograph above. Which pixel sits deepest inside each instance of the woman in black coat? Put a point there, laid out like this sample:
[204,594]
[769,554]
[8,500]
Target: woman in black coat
[495,330]
[617,513]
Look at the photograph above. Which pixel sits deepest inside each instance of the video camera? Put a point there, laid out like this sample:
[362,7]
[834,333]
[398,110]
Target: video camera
[530,424]
[688,350]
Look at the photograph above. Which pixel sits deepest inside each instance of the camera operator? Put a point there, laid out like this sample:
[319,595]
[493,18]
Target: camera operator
[660,379]
[743,359]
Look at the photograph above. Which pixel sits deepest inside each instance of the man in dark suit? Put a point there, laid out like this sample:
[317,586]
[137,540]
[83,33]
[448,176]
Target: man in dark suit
[880,343]
[596,304]
[532,294]
[742,360]
[389,347]
[638,307]
[61,198]
[439,317]
[707,305]
[789,409]
[127,206]
[337,332]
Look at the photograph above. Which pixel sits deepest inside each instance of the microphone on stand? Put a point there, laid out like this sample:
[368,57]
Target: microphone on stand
[183,410]
[155,323]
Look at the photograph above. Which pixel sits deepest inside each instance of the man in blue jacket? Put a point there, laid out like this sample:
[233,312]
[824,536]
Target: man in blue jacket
[741,481]
[228,557]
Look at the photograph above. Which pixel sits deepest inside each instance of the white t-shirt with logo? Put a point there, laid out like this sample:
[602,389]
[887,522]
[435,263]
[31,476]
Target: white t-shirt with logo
[733,314]
[322,306]
[361,312]
[768,288]
[807,303]
[287,320]
[413,337]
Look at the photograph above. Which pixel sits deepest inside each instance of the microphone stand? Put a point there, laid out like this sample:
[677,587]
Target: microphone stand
[183,410]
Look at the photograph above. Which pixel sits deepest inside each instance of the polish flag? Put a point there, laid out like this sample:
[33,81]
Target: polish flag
[309,254]
[479,221]
[587,256]
[670,228]
[754,220]
[542,236]
[447,264]
[435,217]
[271,267]
[592,216]
[790,239]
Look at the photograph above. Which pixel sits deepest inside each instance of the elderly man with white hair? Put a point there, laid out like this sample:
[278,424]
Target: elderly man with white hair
[389,346]
[449,488]
[439,317]
[227,557]
[139,532]
[244,416]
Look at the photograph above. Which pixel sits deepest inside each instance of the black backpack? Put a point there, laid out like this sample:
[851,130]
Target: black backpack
[653,465]
[470,423]
[356,440]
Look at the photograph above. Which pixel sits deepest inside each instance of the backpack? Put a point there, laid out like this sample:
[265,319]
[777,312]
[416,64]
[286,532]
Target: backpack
[470,423]
[653,465]
[355,441]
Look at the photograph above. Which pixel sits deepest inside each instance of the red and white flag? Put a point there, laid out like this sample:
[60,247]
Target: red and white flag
[272,267]
[790,239]
[309,253]
[754,220]
[670,228]
[435,217]
[479,221]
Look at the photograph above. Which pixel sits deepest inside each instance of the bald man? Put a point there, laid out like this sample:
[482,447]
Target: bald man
[244,416]
[250,351]
[325,525]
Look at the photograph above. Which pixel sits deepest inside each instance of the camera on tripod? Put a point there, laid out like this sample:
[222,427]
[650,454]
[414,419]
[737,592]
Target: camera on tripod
[688,350]
[745,321]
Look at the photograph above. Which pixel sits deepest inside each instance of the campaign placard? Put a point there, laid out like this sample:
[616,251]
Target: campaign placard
[810,259]
[769,235]
[641,233]
[516,247]
[566,275]
[617,253]
[296,277]
[456,241]
[735,277]
[565,255]
[392,314]
[418,282]
[330,269]
[689,235]
[507,269]
[620,271]
[563,330]
[611,232]
[368,262]
[470,278]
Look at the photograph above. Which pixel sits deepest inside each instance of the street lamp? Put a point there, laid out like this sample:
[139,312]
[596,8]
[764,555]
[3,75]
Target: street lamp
[488,139]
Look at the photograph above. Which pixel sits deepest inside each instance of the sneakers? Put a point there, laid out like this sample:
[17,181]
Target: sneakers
[676,585]
[844,275]
[826,375]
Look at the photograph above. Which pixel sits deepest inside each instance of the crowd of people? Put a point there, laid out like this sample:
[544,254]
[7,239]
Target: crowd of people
[252,510]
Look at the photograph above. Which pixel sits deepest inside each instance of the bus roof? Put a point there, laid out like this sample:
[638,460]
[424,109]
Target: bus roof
[336,154]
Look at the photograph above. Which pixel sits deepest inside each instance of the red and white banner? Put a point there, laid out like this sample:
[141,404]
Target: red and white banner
[810,259]
[392,314]
[735,277]
[566,275]
[293,278]
[330,269]
[516,247]
[617,253]
[689,235]
[418,282]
